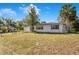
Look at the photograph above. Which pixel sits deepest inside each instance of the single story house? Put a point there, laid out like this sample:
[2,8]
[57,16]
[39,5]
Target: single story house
[47,27]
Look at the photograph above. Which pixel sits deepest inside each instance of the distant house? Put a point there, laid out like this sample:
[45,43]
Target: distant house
[47,27]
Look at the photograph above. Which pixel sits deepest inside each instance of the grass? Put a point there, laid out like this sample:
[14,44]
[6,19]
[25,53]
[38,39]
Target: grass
[39,44]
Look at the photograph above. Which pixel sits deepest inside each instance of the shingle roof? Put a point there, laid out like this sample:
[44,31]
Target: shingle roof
[49,24]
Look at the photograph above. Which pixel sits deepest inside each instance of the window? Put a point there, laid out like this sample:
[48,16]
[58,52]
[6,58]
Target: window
[54,26]
[39,27]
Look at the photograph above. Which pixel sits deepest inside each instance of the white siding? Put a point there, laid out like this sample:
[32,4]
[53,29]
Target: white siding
[61,28]
[27,29]
[47,28]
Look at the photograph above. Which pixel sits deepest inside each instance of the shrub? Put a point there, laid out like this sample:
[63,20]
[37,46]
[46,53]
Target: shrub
[4,29]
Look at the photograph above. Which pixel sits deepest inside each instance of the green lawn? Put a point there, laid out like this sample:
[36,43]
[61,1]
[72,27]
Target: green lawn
[34,43]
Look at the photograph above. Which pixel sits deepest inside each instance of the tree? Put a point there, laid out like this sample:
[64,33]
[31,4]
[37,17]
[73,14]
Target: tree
[27,20]
[76,24]
[1,22]
[20,23]
[33,16]
[68,15]
[3,26]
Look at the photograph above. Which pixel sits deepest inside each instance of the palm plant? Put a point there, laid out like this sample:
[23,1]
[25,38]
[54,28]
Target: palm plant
[68,14]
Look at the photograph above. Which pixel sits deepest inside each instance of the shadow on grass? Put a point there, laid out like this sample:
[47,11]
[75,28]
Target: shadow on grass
[52,33]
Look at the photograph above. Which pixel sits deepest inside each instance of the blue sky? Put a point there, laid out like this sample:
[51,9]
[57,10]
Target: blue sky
[48,11]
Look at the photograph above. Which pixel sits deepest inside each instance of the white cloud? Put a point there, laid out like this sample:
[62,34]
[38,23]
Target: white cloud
[24,9]
[7,11]
[27,9]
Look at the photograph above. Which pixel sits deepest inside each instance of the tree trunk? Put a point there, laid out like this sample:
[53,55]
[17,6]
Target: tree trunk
[32,28]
